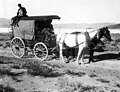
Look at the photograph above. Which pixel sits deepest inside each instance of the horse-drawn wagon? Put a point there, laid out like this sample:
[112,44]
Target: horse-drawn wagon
[33,34]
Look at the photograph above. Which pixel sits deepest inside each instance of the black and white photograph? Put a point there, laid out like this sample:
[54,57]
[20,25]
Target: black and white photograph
[59,45]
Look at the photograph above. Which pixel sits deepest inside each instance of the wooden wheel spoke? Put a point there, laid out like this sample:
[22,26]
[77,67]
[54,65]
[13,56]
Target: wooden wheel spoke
[40,51]
[18,47]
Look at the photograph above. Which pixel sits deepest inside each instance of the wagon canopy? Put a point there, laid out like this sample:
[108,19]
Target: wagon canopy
[26,26]
[41,18]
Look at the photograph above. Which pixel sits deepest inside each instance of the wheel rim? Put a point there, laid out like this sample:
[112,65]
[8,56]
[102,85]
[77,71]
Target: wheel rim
[18,47]
[40,51]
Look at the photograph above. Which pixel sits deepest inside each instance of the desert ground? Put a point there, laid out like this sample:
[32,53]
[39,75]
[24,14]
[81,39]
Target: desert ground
[31,75]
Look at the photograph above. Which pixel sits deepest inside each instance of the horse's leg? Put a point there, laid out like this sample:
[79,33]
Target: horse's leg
[73,52]
[61,51]
[82,55]
[79,52]
[91,56]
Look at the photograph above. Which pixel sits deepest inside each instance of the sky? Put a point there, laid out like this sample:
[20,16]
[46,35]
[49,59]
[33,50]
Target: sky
[70,11]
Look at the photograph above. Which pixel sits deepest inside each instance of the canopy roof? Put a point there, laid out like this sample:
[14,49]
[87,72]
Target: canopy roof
[40,18]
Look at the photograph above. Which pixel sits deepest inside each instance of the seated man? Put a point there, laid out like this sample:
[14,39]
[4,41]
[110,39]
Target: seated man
[49,26]
[21,13]
[48,31]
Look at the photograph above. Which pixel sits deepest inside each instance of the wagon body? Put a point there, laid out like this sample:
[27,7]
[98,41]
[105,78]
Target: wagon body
[25,29]
[28,36]
[26,26]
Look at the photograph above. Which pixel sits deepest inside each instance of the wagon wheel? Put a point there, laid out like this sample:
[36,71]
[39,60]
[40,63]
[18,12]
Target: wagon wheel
[40,51]
[18,47]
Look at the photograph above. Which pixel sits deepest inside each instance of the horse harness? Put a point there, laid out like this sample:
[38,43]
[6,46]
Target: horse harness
[76,33]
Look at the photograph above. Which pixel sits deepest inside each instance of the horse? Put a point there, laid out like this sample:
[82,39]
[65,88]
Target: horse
[71,40]
[83,41]
[96,36]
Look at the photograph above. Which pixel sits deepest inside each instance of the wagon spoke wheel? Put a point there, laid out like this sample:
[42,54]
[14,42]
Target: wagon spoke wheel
[40,51]
[18,47]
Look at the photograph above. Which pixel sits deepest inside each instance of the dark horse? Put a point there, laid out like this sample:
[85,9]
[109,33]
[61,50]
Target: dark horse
[102,32]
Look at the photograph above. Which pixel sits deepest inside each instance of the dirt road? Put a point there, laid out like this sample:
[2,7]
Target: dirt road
[32,75]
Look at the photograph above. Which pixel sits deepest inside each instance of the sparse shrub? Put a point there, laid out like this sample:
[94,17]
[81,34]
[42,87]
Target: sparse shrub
[6,89]
[117,40]
[37,69]
[4,70]
[5,36]
[1,44]
[80,74]
[113,43]
[6,44]
[103,80]
[118,85]
[88,89]
[93,75]
[68,84]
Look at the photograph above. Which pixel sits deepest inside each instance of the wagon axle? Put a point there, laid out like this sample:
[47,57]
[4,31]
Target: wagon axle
[17,48]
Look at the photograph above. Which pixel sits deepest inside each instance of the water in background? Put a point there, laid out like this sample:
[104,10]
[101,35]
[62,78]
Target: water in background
[6,30]
[82,30]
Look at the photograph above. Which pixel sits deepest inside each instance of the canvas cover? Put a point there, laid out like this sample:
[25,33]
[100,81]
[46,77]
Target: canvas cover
[25,29]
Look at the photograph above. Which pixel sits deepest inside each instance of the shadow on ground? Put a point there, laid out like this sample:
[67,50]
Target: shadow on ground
[107,56]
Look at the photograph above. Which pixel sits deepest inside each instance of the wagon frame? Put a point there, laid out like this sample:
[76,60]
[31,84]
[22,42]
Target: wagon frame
[27,37]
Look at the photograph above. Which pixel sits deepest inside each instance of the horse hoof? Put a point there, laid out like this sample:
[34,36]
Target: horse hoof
[89,62]
[92,60]
[82,63]
[66,61]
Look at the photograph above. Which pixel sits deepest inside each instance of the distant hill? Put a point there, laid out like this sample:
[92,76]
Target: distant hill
[115,26]
[4,22]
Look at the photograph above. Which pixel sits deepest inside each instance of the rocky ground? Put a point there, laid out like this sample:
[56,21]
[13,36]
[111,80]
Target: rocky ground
[31,75]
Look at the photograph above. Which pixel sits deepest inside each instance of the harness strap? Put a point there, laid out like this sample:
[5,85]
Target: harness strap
[76,38]
[86,35]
